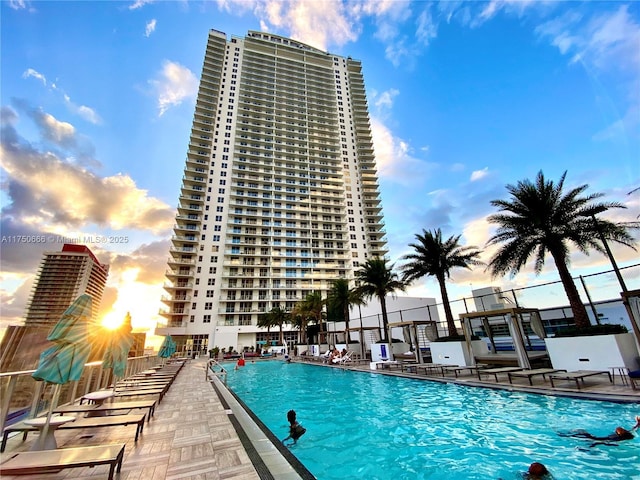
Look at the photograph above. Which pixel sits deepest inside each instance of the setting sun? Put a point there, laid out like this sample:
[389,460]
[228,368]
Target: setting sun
[112,320]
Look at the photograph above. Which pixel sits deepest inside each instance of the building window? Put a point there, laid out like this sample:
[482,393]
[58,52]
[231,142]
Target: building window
[208,306]
[206,319]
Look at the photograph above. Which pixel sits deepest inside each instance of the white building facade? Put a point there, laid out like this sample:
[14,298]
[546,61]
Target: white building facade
[280,193]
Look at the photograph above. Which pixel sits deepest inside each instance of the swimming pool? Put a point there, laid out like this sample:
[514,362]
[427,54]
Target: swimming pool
[370,426]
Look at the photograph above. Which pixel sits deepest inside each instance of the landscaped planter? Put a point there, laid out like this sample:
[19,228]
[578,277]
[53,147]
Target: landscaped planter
[456,353]
[597,352]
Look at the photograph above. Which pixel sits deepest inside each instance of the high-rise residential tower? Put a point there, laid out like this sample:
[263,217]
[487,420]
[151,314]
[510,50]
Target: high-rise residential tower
[62,277]
[280,193]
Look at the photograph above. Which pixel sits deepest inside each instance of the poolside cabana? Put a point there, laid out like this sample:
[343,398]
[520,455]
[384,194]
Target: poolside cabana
[517,324]
[373,336]
[413,328]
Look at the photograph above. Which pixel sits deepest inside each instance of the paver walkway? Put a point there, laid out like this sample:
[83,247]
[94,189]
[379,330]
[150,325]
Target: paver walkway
[189,438]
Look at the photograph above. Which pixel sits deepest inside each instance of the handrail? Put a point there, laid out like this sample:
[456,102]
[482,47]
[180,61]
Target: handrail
[222,373]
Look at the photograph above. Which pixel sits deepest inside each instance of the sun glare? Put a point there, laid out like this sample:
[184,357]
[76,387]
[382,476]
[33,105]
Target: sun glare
[112,320]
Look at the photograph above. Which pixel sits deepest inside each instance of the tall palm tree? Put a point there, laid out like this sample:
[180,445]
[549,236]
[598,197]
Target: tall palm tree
[542,218]
[436,257]
[266,321]
[310,308]
[341,298]
[277,317]
[378,279]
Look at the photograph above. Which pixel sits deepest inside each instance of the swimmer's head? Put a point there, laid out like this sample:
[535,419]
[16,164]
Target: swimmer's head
[537,469]
[621,431]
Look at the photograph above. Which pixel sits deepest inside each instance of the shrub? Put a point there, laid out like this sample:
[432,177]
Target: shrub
[455,338]
[605,329]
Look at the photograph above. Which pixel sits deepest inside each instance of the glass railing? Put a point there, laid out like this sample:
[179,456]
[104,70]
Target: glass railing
[24,397]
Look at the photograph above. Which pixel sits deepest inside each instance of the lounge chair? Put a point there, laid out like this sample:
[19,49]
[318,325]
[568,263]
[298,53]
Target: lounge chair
[91,422]
[93,410]
[497,371]
[346,358]
[529,374]
[578,376]
[52,461]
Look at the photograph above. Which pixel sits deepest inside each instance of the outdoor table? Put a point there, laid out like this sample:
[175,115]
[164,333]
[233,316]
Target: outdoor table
[49,440]
[98,398]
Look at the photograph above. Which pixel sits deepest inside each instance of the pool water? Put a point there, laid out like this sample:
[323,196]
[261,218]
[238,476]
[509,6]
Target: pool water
[377,427]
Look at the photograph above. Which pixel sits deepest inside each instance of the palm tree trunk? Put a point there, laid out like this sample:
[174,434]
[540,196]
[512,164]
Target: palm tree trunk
[451,326]
[385,320]
[346,325]
[580,315]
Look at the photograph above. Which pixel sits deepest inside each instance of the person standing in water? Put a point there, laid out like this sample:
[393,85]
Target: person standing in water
[295,429]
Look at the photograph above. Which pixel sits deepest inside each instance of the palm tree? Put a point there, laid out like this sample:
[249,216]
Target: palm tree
[277,317]
[310,308]
[542,218]
[266,321]
[341,298]
[377,279]
[435,257]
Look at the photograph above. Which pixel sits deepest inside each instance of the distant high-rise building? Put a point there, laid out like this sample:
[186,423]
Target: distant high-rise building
[280,192]
[61,278]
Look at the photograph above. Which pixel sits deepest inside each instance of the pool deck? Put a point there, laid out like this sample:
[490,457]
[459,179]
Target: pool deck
[200,434]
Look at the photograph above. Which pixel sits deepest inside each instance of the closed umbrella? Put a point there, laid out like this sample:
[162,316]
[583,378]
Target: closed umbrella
[167,348]
[64,362]
[117,352]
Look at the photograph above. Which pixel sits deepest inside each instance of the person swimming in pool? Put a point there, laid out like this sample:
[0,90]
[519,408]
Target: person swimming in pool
[295,429]
[612,439]
[537,471]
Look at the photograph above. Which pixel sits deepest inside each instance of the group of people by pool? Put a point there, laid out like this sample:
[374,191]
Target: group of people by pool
[333,355]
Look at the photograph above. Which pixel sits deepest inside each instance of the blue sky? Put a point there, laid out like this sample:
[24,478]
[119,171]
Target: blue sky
[465,97]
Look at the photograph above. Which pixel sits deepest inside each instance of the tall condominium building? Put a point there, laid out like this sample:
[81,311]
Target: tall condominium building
[62,277]
[280,193]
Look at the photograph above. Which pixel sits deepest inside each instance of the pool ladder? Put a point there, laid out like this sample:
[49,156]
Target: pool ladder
[221,372]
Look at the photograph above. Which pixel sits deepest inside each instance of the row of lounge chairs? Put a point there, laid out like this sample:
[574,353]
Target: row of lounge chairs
[151,387]
[483,370]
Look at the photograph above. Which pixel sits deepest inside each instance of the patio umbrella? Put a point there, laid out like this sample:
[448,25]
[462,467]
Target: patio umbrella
[117,352]
[65,360]
[167,348]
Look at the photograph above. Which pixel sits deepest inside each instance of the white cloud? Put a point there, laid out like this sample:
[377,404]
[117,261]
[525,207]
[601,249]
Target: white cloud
[427,27]
[57,131]
[18,4]
[30,72]
[139,4]
[150,27]
[603,40]
[59,194]
[385,99]
[87,113]
[175,84]
[319,24]
[479,174]
[393,158]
